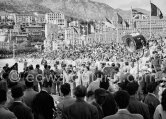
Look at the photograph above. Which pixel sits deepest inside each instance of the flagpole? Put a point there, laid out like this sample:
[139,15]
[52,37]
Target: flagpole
[87,33]
[117,32]
[132,28]
[150,21]
[105,34]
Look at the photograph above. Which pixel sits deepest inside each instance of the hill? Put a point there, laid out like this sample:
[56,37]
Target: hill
[82,9]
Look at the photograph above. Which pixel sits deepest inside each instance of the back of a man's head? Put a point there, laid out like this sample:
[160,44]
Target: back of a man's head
[3,96]
[28,84]
[37,66]
[17,91]
[80,91]
[104,83]
[31,67]
[65,89]
[100,95]
[132,87]
[122,99]
[152,87]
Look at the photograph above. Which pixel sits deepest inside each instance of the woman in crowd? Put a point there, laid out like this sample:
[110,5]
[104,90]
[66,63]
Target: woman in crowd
[160,112]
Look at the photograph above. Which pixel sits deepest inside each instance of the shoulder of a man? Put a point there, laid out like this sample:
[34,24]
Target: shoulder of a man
[137,116]
[6,114]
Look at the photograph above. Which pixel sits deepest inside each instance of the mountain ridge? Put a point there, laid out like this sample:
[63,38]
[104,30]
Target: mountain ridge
[81,9]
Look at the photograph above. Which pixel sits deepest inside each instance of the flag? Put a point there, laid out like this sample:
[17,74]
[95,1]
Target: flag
[127,24]
[75,30]
[135,24]
[108,23]
[83,29]
[155,11]
[120,19]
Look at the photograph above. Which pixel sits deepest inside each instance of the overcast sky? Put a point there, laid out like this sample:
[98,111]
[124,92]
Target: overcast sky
[126,4]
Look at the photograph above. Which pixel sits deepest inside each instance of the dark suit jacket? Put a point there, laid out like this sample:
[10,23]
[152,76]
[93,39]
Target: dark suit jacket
[21,110]
[28,97]
[124,114]
[6,114]
[100,110]
[137,107]
[81,110]
[109,107]
[43,104]
[152,103]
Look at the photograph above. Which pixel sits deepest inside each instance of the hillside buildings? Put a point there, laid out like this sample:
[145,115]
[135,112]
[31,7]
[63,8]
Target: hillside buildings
[56,18]
[57,29]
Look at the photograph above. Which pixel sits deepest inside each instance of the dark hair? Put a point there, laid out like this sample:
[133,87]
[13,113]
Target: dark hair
[152,87]
[163,100]
[45,66]
[127,78]
[65,89]
[113,64]
[12,84]
[122,99]
[37,66]
[47,84]
[17,91]
[3,95]
[126,63]
[49,66]
[89,94]
[5,76]
[28,84]
[147,79]
[80,91]
[104,83]
[116,69]
[100,95]
[31,67]
[99,74]
[132,87]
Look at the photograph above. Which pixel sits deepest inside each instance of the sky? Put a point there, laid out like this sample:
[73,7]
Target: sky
[126,4]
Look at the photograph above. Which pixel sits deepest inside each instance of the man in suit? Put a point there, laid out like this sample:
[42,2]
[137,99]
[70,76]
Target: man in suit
[34,73]
[4,112]
[122,99]
[43,103]
[21,110]
[135,106]
[100,96]
[67,99]
[29,93]
[151,99]
[81,109]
